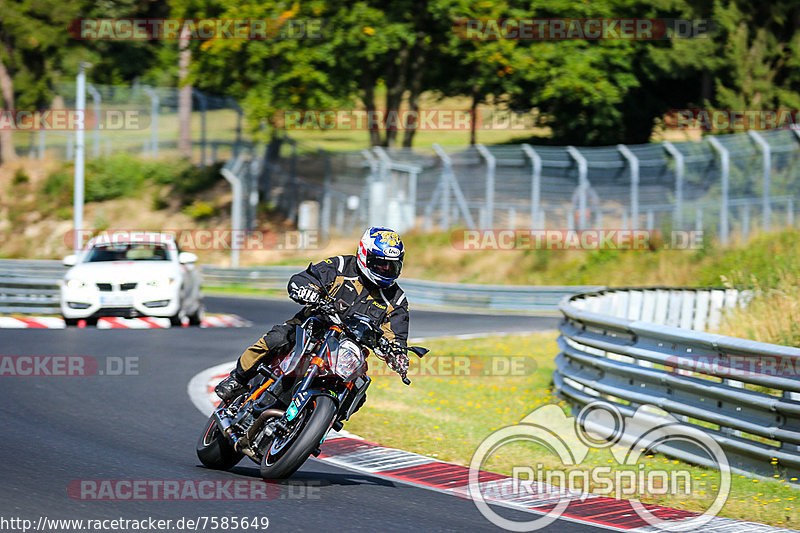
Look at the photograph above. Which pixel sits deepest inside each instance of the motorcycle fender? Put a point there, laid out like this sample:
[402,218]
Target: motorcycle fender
[302,399]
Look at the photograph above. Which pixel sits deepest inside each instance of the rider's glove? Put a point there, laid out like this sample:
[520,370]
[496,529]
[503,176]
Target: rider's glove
[398,361]
[305,295]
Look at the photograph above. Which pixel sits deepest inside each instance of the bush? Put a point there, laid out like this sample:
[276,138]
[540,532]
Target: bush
[200,210]
[20,177]
[57,188]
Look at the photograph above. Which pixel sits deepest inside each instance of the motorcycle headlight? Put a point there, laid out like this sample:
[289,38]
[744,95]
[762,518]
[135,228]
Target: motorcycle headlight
[348,359]
[75,284]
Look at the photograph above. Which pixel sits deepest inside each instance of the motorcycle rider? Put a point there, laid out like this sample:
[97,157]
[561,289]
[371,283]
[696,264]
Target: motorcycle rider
[363,283]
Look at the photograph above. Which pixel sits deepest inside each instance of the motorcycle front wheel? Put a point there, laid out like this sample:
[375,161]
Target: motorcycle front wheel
[286,454]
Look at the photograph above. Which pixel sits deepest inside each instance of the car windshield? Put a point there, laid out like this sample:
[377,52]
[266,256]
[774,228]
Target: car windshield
[128,252]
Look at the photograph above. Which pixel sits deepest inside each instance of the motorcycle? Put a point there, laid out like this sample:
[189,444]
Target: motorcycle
[294,401]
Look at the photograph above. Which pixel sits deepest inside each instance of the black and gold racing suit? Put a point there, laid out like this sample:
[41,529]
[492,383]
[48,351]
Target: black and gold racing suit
[387,308]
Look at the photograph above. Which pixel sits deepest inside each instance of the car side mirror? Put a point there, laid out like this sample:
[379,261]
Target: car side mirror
[187,258]
[70,260]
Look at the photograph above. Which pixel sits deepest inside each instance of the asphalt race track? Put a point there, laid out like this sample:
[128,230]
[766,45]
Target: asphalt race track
[141,425]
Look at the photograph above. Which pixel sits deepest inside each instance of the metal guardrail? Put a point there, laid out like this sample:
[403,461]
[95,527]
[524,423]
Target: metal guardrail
[32,286]
[29,286]
[634,347]
[477,297]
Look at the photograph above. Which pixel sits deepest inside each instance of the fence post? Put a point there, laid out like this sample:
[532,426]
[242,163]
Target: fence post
[536,185]
[745,220]
[449,182]
[154,105]
[325,215]
[679,167]
[724,160]
[236,211]
[96,98]
[766,170]
[583,184]
[42,144]
[491,164]
[633,164]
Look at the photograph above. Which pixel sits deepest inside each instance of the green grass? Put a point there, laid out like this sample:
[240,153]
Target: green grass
[446,416]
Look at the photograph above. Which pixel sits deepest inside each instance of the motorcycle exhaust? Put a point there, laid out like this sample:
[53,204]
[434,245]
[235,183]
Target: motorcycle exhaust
[261,420]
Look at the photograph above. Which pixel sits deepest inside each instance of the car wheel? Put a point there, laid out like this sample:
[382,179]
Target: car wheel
[70,321]
[177,318]
[196,318]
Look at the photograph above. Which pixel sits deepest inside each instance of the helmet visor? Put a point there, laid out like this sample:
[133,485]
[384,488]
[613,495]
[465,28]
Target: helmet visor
[386,268]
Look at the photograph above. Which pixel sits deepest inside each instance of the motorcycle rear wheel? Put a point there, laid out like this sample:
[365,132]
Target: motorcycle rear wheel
[283,460]
[214,450]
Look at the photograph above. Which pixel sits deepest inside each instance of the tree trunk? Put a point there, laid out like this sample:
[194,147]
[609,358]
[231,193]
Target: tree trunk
[368,86]
[395,87]
[7,152]
[415,88]
[184,96]
[473,117]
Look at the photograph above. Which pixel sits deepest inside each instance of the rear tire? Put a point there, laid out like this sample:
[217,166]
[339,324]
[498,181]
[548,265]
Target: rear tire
[284,462]
[70,321]
[214,450]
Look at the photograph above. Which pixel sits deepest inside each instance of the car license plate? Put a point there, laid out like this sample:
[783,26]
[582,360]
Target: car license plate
[115,300]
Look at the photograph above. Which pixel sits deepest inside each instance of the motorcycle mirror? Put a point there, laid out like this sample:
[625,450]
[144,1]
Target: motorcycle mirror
[419,350]
[314,271]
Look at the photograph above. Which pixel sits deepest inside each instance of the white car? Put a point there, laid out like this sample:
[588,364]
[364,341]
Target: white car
[139,274]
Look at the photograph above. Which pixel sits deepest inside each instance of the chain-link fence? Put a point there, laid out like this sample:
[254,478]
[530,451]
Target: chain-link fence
[138,119]
[725,185]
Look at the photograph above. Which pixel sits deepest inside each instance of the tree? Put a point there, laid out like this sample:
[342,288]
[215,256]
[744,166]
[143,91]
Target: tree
[32,51]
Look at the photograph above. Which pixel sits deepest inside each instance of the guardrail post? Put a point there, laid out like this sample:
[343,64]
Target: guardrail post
[679,168]
[724,161]
[633,165]
[154,105]
[583,184]
[536,186]
[766,171]
[491,164]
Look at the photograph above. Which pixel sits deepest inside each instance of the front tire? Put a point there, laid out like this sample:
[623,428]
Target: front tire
[283,461]
[214,450]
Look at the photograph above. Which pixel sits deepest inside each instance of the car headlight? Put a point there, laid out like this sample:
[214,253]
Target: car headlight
[162,282]
[75,284]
